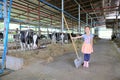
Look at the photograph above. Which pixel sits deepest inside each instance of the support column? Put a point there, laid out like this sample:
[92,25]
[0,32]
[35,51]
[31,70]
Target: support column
[51,24]
[39,31]
[94,23]
[47,33]
[113,29]
[28,16]
[91,22]
[62,29]
[20,27]
[6,30]
[72,25]
[86,19]
[1,13]
[79,28]
[117,30]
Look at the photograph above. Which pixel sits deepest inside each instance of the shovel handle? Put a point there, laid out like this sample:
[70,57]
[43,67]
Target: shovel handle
[71,37]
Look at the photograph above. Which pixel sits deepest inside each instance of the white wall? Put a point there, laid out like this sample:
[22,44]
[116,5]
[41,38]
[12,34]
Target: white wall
[104,33]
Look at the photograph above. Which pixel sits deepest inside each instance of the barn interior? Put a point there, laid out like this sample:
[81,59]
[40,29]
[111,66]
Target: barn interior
[54,22]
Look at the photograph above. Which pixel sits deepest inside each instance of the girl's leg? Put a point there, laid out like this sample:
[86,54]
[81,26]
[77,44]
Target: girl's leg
[84,65]
[87,64]
[86,60]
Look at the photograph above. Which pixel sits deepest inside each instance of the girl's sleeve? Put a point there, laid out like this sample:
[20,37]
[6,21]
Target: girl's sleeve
[83,36]
[92,35]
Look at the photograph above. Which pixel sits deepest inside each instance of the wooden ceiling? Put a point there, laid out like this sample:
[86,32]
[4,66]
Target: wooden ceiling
[89,6]
[34,11]
[97,9]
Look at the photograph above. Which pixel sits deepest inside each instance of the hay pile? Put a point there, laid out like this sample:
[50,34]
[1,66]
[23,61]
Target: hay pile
[44,41]
[117,41]
[48,54]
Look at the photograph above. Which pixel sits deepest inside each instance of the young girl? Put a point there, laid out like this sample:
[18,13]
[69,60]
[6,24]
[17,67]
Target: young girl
[87,46]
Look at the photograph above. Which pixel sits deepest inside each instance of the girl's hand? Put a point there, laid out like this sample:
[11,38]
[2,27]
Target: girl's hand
[73,38]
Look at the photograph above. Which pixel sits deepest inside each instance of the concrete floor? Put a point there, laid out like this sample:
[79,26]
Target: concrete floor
[104,65]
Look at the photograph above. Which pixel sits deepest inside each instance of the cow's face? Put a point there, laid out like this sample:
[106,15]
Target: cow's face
[35,41]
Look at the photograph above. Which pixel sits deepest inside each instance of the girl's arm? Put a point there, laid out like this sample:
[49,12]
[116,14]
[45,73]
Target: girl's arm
[91,41]
[77,37]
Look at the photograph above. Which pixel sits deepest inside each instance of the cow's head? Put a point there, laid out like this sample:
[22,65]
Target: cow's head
[35,41]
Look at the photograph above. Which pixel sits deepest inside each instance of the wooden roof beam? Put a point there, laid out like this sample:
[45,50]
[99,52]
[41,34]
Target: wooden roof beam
[68,7]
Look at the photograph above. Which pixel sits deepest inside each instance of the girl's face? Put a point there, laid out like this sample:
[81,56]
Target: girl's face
[87,30]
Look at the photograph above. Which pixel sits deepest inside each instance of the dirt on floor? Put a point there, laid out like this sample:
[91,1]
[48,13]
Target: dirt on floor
[104,65]
[49,53]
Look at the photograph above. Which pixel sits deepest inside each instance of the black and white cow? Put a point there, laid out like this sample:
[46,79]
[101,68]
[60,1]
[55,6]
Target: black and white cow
[54,38]
[66,37]
[35,41]
[57,37]
[1,36]
[28,39]
[16,37]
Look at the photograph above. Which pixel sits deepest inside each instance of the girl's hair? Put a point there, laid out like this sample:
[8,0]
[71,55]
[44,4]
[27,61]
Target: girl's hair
[87,27]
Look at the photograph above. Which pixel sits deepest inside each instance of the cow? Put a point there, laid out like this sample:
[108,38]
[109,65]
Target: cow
[1,36]
[54,38]
[113,37]
[57,37]
[73,35]
[35,40]
[16,37]
[66,38]
[28,40]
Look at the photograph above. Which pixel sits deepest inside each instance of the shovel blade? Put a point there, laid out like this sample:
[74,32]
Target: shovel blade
[78,62]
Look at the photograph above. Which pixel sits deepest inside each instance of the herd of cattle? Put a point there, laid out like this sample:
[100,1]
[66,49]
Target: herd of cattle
[29,39]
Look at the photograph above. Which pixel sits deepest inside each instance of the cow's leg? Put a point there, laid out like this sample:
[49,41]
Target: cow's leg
[28,46]
[53,39]
[24,46]
[31,45]
[34,41]
[21,44]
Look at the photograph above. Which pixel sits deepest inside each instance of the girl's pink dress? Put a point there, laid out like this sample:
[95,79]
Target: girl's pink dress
[87,48]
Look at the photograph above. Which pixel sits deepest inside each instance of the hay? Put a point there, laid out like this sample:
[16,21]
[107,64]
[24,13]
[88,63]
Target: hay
[49,59]
[28,56]
[48,54]
[44,42]
[117,41]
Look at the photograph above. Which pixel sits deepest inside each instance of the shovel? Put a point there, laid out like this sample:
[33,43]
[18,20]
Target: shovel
[78,61]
